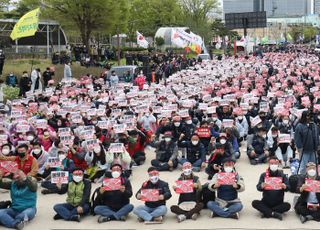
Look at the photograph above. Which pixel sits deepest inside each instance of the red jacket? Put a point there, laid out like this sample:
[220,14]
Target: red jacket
[27,164]
[138,147]
[78,162]
[140,82]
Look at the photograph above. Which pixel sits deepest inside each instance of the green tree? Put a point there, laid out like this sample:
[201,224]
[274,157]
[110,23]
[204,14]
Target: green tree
[198,15]
[219,29]
[159,41]
[310,33]
[148,16]
[3,5]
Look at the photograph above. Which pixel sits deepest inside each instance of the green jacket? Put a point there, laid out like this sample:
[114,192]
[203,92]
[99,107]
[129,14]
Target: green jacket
[79,193]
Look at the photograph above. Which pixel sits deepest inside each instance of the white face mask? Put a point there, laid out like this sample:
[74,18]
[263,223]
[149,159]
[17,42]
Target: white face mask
[37,151]
[167,139]
[273,167]
[285,122]
[194,142]
[274,135]
[240,117]
[177,124]
[97,149]
[62,157]
[77,179]
[312,172]
[5,151]
[154,179]
[187,172]
[189,122]
[214,118]
[115,174]
[228,169]
[30,138]
[223,141]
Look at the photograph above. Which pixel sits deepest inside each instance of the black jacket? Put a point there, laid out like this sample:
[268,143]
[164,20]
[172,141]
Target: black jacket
[163,188]
[115,200]
[273,197]
[303,198]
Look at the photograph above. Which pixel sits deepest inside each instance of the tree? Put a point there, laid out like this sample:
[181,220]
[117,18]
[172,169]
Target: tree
[148,16]
[159,41]
[219,29]
[309,32]
[197,15]
[3,5]
[88,16]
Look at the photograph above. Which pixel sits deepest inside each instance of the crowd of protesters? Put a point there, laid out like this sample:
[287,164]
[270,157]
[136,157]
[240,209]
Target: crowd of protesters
[88,131]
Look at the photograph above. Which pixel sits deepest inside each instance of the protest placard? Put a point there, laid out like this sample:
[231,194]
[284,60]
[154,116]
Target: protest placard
[116,148]
[111,184]
[273,183]
[54,162]
[224,178]
[59,177]
[149,195]
[313,185]
[284,138]
[184,186]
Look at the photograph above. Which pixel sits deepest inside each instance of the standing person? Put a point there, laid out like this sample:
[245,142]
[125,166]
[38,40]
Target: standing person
[78,197]
[272,204]
[12,80]
[23,192]
[227,203]
[24,84]
[2,58]
[306,138]
[67,73]
[114,205]
[307,206]
[189,206]
[36,80]
[153,210]
[47,76]
[114,79]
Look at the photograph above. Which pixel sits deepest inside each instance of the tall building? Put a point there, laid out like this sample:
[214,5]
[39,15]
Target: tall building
[237,6]
[316,6]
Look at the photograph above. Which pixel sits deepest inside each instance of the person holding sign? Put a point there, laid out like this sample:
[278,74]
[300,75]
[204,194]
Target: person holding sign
[77,204]
[77,155]
[258,148]
[196,153]
[42,158]
[227,183]
[113,199]
[307,206]
[166,153]
[273,184]
[154,192]
[135,146]
[189,187]
[96,160]
[23,191]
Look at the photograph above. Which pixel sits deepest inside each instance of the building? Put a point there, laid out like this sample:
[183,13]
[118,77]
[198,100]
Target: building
[316,6]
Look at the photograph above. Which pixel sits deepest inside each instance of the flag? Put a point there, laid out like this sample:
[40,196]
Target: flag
[27,25]
[183,39]
[141,41]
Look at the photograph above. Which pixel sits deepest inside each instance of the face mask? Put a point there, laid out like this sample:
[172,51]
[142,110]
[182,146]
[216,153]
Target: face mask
[228,169]
[62,157]
[189,122]
[22,155]
[187,172]
[167,139]
[37,151]
[222,141]
[154,179]
[177,124]
[5,151]
[240,117]
[194,142]
[312,172]
[77,179]
[97,149]
[264,136]
[273,168]
[274,135]
[285,122]
[46,134]
[214,119]
[30,138]
[115,174]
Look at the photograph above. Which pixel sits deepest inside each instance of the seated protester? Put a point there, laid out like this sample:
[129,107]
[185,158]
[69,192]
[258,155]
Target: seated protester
[135,146]
[96,160]
[78,197]
[45,140]
[164,126]
[258,149]
[215,160]
[272,140]
[77,155]
[227,204]
[153,210]
[23,192]
[166,154]
[264,120]
[66,165]
[307,206]
[189,128]
[56,147]
[215,123]
[224,111]
[205,139]
[242,127]
[114,205]
[7,150]
[178,128]
[272,204]
[148,121]
[189,205]
[196,153]
[122,159]
[232,137]
[26,162]
[42,158]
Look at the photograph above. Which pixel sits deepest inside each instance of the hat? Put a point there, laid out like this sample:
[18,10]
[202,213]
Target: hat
[311,164]
[223,135]
[116,165]
[168,134]
[187,164]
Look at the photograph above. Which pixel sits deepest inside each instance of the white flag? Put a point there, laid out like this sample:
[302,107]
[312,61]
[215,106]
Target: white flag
[142,41]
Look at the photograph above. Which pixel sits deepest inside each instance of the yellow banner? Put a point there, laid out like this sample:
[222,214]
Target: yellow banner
[27,25]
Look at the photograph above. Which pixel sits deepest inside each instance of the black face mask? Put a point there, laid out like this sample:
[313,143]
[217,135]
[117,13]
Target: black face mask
[22,155]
